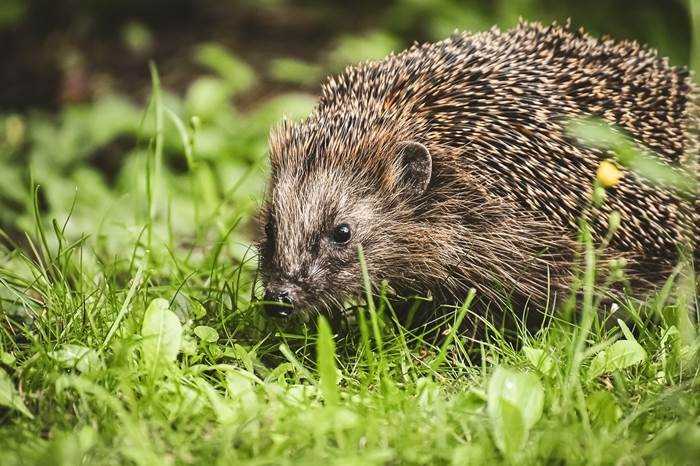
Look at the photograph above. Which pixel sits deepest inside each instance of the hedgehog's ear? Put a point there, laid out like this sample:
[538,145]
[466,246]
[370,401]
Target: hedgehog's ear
[416,166]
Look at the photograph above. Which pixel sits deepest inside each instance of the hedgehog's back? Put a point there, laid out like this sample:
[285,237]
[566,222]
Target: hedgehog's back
[505,99]
[622,82]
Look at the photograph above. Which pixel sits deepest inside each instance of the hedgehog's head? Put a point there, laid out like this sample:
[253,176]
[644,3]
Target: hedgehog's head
[338,186]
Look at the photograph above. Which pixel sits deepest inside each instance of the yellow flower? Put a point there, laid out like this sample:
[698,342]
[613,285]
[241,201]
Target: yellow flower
[608,174]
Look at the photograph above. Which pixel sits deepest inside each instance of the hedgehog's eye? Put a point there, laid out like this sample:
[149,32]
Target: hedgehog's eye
[341,234]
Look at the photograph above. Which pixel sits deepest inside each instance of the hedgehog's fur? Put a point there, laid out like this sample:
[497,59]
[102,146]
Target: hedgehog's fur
[508,183]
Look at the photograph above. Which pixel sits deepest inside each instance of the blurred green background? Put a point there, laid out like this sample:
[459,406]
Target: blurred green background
[75,83]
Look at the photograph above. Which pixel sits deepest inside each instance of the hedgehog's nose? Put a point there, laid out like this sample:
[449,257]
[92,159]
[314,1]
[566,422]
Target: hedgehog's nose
[278,303]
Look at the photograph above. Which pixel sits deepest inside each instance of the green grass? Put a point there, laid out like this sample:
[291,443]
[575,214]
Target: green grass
[102,384]
[128,336]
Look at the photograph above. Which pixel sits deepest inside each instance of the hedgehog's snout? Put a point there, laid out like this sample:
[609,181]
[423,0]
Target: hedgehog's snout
[279,301]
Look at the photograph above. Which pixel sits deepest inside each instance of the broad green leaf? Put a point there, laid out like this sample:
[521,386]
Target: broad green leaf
[539,360]
[523,389]
[295,71]
[355,48]
[215,351]
[206,96]
[9,396]
[207,334]
[162,335]
[238,75]
[198,310]
[79,357]
[598,365]
[619,355]
[7,358]
[325,352]
[514,404]
[509,428]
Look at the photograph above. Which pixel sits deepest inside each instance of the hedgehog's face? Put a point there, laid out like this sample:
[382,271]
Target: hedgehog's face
[317,218]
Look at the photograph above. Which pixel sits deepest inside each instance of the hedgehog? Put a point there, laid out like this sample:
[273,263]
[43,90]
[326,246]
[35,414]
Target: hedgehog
[450,167]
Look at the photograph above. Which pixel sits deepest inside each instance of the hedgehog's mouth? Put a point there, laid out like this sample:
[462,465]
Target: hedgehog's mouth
[309,315]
